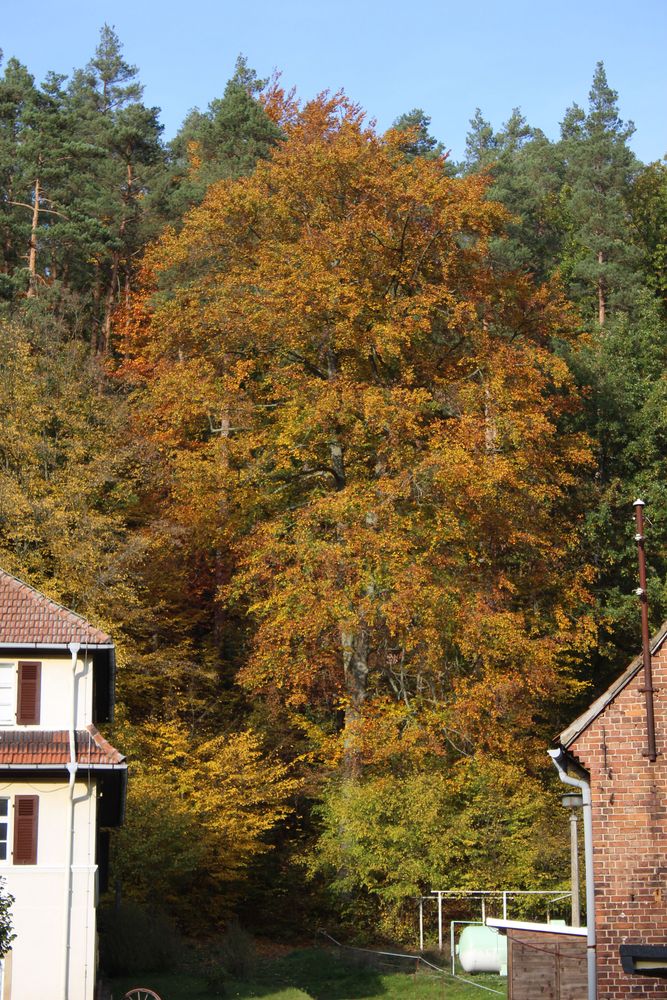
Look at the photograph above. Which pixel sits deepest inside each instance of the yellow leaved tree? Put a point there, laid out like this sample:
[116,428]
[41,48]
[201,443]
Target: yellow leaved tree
[361,426]
[364,416]
[198,814]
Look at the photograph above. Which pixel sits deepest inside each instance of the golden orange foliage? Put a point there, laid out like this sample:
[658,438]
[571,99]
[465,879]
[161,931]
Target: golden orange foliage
[362,418]
[202,807]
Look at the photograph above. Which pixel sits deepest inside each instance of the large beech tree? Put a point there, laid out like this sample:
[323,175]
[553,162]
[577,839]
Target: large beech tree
[362,415]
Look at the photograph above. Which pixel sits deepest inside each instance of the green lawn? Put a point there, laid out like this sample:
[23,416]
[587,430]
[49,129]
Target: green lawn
[316,974]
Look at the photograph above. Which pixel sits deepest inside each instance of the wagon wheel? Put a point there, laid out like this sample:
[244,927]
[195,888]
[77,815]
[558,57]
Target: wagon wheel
[141,993]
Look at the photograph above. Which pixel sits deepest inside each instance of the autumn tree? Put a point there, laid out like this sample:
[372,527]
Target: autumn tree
[203,807]
[63,471]
[328,361]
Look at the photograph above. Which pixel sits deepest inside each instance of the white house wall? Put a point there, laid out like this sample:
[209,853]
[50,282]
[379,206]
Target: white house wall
[34,970]
[56,690]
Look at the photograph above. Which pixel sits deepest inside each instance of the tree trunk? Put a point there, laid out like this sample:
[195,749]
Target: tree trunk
[355,672]
[354,643]
[108,305]
[32,253]
[490,426]
[335,447]
[221,557]
[602,301]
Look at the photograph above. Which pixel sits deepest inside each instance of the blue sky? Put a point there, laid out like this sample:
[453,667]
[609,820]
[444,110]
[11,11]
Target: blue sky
[445,57]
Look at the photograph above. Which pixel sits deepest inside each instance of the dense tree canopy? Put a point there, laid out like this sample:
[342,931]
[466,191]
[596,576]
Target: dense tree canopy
[338,439]
[348,338]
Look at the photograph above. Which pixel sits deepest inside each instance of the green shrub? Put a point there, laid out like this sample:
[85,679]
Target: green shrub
[235,952]
[134,939]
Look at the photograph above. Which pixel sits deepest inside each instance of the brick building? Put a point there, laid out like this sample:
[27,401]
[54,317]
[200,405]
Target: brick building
[606,749]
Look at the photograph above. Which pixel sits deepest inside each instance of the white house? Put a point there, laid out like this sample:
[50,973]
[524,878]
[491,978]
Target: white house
[61,786]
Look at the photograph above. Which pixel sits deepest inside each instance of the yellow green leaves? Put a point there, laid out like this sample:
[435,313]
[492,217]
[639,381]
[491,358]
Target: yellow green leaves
[481,824]
[370,414]
[202,808]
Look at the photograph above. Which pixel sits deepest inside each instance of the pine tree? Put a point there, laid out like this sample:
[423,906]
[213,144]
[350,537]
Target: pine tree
[481,143]
[600,261]
[113,79]
[648,206]
[225,141]
[111,202]
[527,177]
[419,141]
[17,96]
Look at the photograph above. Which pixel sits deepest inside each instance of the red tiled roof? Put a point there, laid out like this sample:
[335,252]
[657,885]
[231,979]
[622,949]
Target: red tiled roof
[26,616]
[44,747]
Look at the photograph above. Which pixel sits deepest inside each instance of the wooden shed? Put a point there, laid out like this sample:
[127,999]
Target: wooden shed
[544,960]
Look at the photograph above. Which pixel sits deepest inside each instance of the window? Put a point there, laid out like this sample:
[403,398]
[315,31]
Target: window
[27,712]
[4,828]
[26,809]
[20,693]
[24,834]
[7,696]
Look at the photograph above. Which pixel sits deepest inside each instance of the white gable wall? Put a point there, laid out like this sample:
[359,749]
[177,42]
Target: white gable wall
[56,690]
[34,969]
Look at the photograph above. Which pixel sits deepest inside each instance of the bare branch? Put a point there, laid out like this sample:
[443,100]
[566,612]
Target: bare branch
[41,208]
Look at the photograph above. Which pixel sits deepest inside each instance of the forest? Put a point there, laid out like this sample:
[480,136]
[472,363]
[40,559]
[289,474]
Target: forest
[339,440]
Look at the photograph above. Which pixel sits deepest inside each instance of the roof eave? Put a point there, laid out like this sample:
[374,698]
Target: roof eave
[56,645]
[63,768]
[582,722]
[525,925]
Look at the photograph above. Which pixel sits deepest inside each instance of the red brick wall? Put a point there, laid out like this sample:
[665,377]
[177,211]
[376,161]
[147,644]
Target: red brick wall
[629,831]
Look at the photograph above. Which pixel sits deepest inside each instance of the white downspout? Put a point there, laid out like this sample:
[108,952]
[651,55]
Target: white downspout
[585,789]
[72,766]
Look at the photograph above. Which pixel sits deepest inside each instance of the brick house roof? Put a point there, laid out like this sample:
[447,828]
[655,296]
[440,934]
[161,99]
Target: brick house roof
[576,728]
[42,748]
[28,617]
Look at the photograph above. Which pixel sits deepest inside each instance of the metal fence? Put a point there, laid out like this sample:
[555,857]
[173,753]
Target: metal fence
[396,961]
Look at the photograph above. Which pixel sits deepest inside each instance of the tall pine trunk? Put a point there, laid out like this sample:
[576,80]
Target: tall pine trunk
[602,300]
[109,304]
[32,252]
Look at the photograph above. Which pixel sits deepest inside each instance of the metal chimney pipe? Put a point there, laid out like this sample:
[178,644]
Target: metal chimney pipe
[646,641]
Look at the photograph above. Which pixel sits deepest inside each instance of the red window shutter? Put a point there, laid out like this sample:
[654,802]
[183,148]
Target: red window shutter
[26,809]
[30,677]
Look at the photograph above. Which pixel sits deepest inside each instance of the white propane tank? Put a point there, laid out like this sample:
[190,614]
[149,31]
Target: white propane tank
[482,949]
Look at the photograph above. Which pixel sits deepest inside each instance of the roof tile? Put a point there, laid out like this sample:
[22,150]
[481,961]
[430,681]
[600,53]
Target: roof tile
[26,616]
[40,747]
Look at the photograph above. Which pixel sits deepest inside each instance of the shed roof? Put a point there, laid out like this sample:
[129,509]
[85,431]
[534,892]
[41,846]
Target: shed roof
[576,728]
[30,618]
[525,925]
[50,749]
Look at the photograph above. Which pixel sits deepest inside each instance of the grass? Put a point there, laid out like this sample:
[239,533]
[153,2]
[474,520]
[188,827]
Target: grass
[315,974]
